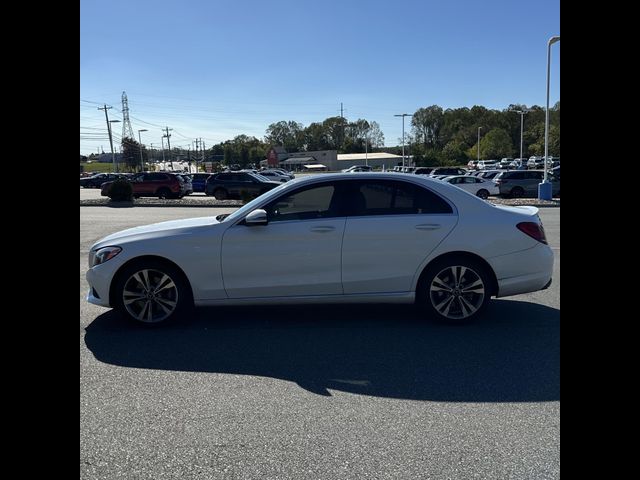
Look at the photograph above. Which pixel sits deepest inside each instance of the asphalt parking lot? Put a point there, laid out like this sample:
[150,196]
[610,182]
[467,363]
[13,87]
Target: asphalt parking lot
[323,392]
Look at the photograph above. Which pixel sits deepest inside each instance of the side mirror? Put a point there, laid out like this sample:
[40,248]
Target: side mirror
[257,217]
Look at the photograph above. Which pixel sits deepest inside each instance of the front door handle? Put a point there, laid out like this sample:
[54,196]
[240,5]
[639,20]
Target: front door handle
[428,226]
[323,228]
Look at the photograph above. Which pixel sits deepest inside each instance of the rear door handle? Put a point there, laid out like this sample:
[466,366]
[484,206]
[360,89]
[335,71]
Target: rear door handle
[428,226]
[323,228]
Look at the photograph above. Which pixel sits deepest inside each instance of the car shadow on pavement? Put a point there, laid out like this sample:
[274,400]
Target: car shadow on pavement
[511,354]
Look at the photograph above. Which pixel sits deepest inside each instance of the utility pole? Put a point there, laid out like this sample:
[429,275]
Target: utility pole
[202,161]
[105,108]
[168,136]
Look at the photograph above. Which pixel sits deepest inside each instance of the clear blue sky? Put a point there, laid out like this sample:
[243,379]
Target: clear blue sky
[220,68]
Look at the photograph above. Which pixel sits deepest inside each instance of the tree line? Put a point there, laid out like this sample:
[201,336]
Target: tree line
[437,136]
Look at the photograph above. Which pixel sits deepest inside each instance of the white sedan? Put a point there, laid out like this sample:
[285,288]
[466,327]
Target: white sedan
[477,186]
[335,238]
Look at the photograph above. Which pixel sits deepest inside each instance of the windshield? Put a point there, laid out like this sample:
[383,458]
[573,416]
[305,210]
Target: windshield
[253,203]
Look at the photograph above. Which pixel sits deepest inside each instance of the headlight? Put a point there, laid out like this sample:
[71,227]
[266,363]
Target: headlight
[102,255]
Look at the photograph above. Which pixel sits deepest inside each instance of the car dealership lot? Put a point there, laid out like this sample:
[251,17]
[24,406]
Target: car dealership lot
[321,392]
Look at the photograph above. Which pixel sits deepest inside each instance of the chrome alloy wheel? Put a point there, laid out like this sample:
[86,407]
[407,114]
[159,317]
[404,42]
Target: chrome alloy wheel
[457,292]
[150,295]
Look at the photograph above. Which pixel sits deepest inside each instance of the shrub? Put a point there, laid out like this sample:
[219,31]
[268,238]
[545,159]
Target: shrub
[121,191]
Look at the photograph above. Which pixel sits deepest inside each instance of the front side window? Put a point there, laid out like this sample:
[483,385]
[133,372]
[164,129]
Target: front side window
[306,204]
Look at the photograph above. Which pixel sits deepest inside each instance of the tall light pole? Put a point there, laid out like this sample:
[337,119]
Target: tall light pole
[163,165]
[522,113]
[403,115]
[140,142]
[545,190]
[478,145]
[113,155]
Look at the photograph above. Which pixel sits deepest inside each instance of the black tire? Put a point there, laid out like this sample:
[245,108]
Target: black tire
[454,302]
[517,192]
[483,194]
[220,194]
[164,193]
[171,293]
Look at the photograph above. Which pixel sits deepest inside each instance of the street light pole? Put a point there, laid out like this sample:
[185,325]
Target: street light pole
[478,145]
[403,115]
[140,142]
[545,190]
[522,113]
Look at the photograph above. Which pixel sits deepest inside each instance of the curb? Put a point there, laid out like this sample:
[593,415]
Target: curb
[168,203]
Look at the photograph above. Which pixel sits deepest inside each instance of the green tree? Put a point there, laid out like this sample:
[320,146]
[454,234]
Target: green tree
[496,144]
[455,151]
[131,154]
[426,123]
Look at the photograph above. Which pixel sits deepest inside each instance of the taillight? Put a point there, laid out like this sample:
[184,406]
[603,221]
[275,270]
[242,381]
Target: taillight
[534,230]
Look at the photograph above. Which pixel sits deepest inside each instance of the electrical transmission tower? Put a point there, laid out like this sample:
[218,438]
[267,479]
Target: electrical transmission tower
[127,131]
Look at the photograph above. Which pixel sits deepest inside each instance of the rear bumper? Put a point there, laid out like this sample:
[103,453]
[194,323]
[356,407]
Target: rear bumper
[523,272]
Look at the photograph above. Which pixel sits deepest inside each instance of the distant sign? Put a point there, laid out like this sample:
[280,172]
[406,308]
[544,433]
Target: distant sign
[208,166]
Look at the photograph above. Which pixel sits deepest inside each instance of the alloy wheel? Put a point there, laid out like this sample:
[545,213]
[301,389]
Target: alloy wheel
[457,292]
[150,295]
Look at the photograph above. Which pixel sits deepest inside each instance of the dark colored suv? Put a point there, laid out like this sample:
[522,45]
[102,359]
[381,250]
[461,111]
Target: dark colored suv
[520,183]
[237,185]
[153,184]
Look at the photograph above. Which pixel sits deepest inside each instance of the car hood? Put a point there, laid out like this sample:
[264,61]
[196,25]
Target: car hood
[155,230]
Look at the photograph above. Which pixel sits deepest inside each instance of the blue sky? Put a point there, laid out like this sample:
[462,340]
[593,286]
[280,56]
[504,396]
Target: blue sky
[220,68]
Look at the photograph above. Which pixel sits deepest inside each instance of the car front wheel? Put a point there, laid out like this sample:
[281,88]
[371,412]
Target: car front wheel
[455,290]
[152,292]
[483,194]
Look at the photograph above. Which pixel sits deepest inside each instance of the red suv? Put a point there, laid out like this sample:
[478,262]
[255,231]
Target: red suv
[152,184]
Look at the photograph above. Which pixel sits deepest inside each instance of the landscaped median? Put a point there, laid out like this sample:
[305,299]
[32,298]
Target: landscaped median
[212,202]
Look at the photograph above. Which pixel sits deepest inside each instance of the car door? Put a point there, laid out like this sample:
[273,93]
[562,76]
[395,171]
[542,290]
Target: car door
[392,226]
[297,253]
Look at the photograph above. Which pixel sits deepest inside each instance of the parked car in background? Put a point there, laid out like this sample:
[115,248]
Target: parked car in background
[520,183]
[153,184]
[472,165]
[489,174]
[448,171]
[535,162]
[237,184]
[188,186]
[281,171]
[423,170]
[477,186]
[357,168]
[96,181]
[505,162]
[274,175]
[488,164]
[198,181]
[342,235]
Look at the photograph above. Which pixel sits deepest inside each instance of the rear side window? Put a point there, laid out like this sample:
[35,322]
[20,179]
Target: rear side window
[388,197]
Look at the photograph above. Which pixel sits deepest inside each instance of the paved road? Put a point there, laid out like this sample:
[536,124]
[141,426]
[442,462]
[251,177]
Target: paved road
[323,392]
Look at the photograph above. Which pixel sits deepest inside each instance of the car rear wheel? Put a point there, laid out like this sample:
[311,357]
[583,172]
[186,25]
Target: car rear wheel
[455,290]
[220,194]
[483,194]
[517,192]
[152,292]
